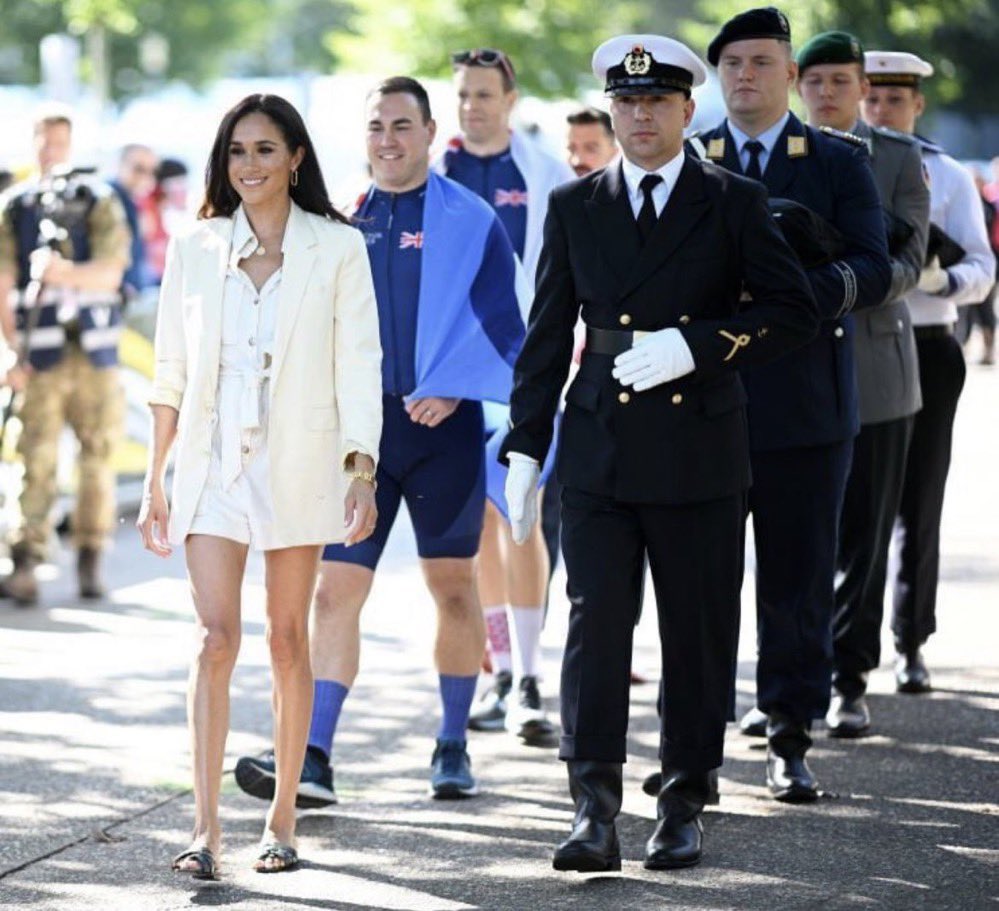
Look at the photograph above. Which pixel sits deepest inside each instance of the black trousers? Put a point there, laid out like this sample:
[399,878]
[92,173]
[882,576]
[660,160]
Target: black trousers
[796,499]
[551,498]
[695,554]
[917,531]
[873,493]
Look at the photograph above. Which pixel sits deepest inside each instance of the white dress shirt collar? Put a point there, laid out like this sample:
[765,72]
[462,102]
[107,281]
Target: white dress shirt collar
[244,241]
[633,174]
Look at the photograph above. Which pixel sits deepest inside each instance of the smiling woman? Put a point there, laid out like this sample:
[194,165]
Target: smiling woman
[268,373]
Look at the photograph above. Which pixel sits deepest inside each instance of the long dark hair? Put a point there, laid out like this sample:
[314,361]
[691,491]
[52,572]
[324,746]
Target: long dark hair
[309,194]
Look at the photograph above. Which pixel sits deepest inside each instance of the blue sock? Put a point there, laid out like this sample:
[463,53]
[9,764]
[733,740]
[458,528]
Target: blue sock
[326,705]
[456,699]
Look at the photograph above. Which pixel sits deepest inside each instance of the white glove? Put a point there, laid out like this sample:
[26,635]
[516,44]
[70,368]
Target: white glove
[933,279]
[522,495]
[658,358]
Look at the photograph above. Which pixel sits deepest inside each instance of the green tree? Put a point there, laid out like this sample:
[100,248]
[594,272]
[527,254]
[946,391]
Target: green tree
[958,36]
[549,41]
[204,39]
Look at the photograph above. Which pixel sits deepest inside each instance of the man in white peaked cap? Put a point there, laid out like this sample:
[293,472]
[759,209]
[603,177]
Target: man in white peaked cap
[654,252]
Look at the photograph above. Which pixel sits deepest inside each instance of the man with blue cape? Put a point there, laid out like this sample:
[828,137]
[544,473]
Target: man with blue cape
[444,275]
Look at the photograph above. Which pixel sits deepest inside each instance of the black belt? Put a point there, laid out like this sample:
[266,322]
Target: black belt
[610,341]
[942,330]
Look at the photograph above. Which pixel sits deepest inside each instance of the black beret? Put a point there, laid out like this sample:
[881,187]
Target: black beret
[830,47]
[763,22]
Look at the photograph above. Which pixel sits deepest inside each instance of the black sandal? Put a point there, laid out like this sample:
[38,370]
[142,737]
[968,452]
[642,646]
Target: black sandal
[207,868]
[286,856]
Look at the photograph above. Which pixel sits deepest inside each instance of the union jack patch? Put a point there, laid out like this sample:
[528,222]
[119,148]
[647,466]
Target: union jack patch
[510,198]
[411,239]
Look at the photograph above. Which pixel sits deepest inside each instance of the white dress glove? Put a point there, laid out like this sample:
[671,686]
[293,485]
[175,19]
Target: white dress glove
[522,495]
[658,358]
[933,279]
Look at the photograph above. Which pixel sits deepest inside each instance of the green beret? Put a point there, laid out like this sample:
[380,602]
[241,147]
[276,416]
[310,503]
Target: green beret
[830,47]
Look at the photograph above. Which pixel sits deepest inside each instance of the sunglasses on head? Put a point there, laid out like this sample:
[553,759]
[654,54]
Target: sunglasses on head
[484,56]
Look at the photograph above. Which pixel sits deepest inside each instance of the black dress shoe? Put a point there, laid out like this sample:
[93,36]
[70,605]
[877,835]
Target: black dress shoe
[789,778]
[653,784]
[754,723]
[911,675]
[848,717]
[592,846]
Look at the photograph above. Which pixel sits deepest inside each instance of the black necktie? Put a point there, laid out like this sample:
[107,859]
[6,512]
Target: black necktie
[647,217]
[753,169]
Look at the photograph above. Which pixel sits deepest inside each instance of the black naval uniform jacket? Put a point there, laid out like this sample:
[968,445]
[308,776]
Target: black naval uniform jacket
[809,398]
[684,441]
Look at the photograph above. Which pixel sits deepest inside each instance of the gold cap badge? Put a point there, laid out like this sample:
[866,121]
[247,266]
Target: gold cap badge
[638,62]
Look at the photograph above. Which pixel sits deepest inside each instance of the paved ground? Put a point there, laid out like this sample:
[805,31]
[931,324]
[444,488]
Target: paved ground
[93,773]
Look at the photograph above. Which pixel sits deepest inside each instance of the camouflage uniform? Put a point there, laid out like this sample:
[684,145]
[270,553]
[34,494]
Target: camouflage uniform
[72,391]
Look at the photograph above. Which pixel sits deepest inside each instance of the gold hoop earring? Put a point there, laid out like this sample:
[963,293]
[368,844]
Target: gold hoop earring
[294,177]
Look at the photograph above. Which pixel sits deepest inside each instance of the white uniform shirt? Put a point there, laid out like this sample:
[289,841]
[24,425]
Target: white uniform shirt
[956,207]
[633,174]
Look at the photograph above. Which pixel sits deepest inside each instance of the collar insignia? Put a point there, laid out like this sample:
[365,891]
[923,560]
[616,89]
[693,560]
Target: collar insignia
[716,149]
[797,146]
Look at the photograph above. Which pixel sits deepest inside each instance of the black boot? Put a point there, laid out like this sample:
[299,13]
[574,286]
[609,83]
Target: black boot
[652,785]
[88,571]
[848,714]
[788,776]
[911,675]
[21,584]
[593,846]
[676,842]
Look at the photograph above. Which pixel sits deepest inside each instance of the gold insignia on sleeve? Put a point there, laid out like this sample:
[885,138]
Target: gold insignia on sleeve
[797,146]
[716,149]
[738,341]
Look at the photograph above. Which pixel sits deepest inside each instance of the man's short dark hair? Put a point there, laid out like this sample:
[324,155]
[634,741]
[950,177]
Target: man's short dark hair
[404,85]
[591,115]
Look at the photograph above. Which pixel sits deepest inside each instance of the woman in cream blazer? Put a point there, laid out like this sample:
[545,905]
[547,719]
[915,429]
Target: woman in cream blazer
[268,378]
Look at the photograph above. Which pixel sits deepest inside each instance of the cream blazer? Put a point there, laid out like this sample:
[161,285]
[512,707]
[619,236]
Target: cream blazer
[325,390]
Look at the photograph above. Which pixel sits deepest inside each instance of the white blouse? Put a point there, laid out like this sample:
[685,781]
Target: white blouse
[249,317]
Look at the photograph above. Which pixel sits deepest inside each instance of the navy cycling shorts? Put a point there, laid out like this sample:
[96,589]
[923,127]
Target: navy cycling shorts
[440,472]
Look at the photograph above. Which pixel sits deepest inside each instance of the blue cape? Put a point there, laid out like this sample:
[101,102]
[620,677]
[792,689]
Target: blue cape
[469,329]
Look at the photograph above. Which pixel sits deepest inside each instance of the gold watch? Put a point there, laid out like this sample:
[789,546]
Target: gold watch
[367,476]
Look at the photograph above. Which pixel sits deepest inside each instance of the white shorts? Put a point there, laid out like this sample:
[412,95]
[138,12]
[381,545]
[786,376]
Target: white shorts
[243,512]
